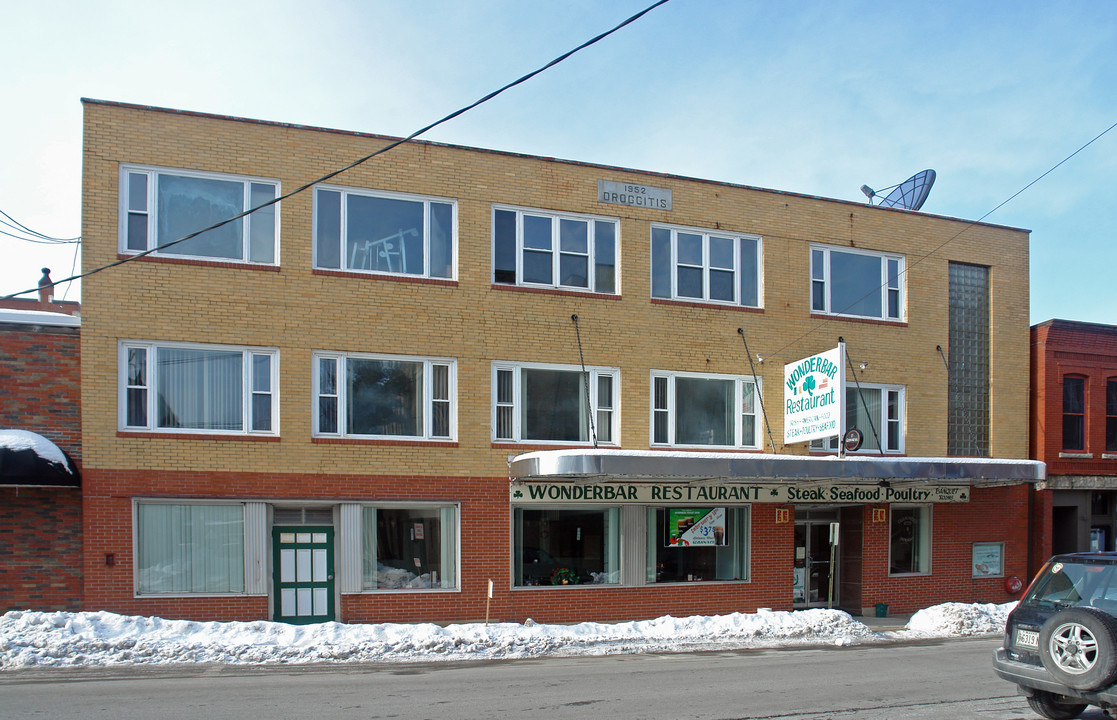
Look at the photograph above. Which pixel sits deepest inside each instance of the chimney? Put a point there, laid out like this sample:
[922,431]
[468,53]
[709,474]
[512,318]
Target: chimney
[46,290]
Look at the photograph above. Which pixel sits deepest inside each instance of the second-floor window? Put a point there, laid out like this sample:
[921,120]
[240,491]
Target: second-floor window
[385,396]
[857,283]
[701,266]
[703,410]
[554,403]
[536,248]
[198,388]
[159,207]
[1074,414]
[1111,416]
[878,412]
[393,234]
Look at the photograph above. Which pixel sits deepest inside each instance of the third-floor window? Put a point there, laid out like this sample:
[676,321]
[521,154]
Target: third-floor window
[535,248]
[857,283]
[701,266]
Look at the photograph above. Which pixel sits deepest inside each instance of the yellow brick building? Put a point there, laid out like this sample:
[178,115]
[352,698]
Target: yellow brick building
[317,411]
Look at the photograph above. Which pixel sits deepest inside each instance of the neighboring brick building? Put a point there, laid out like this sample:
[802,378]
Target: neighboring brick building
[1074,431]
[316,411]
[40,520]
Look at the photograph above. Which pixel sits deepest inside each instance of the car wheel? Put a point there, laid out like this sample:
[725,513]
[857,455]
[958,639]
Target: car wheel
[1050,706]
[1078,646]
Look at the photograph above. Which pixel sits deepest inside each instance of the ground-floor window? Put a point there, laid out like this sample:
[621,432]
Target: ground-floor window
[409,548]
[568,546]
[189,548]
[909,549]
[697,544]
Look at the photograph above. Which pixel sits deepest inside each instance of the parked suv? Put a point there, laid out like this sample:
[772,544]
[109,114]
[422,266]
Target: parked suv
[1060,642]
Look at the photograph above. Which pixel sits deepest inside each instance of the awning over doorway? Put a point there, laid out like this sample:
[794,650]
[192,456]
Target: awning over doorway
[27,458]
[658,466]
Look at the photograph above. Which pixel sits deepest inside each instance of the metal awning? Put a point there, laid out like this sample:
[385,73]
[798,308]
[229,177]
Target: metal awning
[659,466]
[27,458]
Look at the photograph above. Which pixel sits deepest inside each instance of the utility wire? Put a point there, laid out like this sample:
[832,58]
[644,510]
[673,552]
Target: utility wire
[955,236]
[35,236]
[366,158]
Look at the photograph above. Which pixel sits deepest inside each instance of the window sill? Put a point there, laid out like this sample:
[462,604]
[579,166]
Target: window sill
[705,448]
[910,575]
[408,591]
[531,447]
[383,441]
[872,321]
[194,436]
[445,282]
[536,588]
[1109,456]
[1076,456]
[556,291]
[200,262]
[706,305]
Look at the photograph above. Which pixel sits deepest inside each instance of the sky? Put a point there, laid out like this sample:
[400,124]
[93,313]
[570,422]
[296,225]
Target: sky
[30,639]
[816,97]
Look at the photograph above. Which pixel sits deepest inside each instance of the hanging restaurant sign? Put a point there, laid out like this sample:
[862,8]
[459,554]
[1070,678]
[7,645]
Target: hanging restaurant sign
[522,493]
[814,392]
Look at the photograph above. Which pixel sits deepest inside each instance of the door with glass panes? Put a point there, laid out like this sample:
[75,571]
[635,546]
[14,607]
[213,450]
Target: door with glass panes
[303,573]
[815,562]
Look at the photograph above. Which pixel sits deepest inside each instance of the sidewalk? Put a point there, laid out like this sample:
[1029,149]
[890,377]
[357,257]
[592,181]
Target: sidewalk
[884,624]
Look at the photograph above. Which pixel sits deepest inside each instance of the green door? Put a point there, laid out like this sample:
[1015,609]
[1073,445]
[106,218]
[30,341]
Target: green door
[303,558]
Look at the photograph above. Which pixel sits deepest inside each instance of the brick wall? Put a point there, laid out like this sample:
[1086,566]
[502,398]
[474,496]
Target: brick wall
[40,369]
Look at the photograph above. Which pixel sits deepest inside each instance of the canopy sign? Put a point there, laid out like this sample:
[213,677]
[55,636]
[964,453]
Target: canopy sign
[814,397]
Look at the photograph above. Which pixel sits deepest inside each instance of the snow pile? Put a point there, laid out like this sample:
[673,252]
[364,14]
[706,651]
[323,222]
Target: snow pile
[61,639]
[960,619]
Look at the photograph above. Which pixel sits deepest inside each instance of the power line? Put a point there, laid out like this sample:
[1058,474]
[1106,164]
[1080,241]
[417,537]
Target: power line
[955,236]
[355,163]
[22,232]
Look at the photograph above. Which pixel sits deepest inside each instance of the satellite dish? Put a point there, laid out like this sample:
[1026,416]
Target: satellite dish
[909,195]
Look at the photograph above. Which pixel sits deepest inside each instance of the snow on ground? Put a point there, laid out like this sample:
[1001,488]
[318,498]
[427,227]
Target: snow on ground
[39,640]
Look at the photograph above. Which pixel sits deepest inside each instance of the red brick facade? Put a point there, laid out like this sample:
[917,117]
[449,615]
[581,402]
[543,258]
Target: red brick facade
[1079,507]
[40,528]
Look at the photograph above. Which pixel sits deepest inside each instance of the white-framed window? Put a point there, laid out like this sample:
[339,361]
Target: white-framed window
[706,266]
[213,389]
[701,410]
[160,206]
[385,396]
[874,407]
[184,549]
[909,548]
[409,547]
[537,248]
[566,546]
[857,283]
[554,403]
[697,544]
[385,233]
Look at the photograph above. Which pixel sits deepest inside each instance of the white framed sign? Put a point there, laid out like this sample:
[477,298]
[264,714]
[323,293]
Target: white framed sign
[988,559]
[814,397]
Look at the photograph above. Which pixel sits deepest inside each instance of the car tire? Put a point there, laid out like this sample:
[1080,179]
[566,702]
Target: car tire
[1050,706]
[1078,646]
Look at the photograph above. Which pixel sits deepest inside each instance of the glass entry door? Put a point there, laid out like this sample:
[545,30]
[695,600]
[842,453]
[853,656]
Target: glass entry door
[812,587]
[303,558]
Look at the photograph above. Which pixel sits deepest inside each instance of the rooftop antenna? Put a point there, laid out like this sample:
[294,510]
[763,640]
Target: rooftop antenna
[909,195]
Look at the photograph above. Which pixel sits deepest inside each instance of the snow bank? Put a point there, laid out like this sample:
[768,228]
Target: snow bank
[37,639]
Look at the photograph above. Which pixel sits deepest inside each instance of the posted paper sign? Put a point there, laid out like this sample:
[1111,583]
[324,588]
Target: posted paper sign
[813,391]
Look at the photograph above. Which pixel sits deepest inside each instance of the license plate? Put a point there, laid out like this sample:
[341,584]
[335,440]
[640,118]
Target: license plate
[1027,638]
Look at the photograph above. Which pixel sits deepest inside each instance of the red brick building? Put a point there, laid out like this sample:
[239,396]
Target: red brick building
[40,510]
[1074,430]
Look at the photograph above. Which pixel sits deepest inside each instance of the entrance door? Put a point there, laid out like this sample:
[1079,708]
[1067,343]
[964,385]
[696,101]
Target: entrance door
[812,564]
[303,574]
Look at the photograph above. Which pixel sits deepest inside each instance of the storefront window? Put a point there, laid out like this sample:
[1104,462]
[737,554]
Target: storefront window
[697,544]
[409,548]
[910,545]
[567,547]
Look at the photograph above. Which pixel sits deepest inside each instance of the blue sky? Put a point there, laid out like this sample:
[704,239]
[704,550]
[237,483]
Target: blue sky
[809,97]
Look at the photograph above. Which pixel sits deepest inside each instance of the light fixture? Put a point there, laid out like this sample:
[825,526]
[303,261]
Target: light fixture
[760,359]
[863,366]
[869,193]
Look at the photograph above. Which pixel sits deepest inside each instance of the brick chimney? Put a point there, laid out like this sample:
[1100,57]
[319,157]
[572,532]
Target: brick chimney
[46,290]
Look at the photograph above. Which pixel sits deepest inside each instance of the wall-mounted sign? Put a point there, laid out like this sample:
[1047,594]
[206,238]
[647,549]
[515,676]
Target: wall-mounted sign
[616,193]
[683,494]
[695,527]
[988,559]
[814,397]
